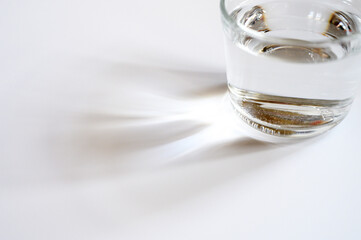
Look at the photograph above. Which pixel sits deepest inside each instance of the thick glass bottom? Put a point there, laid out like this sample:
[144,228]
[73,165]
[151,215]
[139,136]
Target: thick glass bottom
[286,117]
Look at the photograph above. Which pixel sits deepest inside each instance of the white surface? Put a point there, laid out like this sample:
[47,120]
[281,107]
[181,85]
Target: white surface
[113,127]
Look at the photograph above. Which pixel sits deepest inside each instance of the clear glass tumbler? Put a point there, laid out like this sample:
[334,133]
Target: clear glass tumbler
[293,66]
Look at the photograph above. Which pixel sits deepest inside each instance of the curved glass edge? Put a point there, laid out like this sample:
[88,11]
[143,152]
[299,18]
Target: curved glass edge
[229,22]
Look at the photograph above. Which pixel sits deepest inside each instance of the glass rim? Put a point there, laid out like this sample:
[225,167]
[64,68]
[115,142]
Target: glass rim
[260,35]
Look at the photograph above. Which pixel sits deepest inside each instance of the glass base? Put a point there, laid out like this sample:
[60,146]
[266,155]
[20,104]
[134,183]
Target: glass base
[286,117]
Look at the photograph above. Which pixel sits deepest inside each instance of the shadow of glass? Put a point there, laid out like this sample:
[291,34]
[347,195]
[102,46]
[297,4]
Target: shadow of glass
[109,139]
[238,147]
[148,108]
[149,117]
[166,131]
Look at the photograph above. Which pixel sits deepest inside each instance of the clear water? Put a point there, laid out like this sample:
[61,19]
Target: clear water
[293,88]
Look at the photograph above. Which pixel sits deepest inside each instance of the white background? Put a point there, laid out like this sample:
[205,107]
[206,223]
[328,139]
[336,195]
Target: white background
[113,127]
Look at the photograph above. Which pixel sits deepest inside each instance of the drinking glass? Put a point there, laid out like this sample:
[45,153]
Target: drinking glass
[293,66]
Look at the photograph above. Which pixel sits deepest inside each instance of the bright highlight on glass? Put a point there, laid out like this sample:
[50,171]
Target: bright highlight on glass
[293,66]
